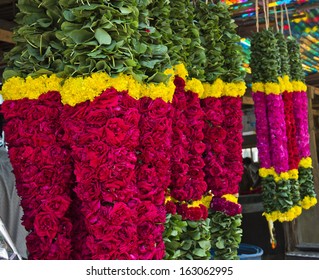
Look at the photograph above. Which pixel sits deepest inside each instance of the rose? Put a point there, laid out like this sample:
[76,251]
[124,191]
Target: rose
[109,99]
[157,109]
[233,147]
[213,110]
[127,102]
[170,207]
[37,247]
[120,213]
[15,108]
[46,225]
[145,230]
[178,152]
[97,117]
[60,249]
[88,190]
[132,116]
[16,133]
[116,130]
[145,173]
[179,83]
[147,211]
[197,147]
[228,207]
[194,213]
[128,234]
[147,191]
[42,139]
[91,135]
[58,205]
[43,112]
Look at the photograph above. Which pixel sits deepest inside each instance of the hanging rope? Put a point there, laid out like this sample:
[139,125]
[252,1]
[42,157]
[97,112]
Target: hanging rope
[267,9]
[257,15]
[287,15]
[266,15]
[276,19]
[282,19]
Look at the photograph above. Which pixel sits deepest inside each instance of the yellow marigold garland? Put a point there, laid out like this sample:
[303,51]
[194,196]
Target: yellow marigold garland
[75,90]
[306,162]
[308,202]
[288,216]
[291,174]
[298,86]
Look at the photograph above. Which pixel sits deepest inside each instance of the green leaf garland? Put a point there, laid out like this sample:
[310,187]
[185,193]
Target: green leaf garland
[187,240]
[226,235]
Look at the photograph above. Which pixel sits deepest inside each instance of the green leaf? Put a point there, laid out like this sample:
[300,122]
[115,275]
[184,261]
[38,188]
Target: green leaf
[80,36]
[199,252]
[220,244]
[125,11]
[174,233]
[205,244]
[102,37]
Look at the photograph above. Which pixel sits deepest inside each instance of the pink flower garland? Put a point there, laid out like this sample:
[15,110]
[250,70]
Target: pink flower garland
[300,101]
[262,129]
[43,171]
[277,129]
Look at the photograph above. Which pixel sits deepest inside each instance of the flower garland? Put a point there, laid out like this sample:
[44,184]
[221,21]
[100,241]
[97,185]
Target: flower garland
[43,171]
[153,167]
[300,111]
[118,128]
[103,148]
[223,124]
[273,126]
[293,157]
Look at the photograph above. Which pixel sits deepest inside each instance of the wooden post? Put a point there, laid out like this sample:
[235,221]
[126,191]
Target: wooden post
[313,146]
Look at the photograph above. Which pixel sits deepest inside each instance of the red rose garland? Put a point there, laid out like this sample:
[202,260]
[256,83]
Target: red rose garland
[293,156]
[153,175]
[105,159]
[233,144]
[43,171]
[187,181]
[223,159]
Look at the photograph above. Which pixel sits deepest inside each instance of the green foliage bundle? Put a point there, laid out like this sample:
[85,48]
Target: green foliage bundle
[265,58]
[186,44]
[221,42]
[225,235]
[154,60]
[187,240]
[37,50]
[284,68]
[296,70]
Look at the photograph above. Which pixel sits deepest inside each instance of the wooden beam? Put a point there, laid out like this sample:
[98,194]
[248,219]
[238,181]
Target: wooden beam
[6,36]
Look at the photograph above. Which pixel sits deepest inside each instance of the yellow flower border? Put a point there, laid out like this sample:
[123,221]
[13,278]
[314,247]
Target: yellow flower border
[76,90]
[290,174]
[306,162]
[288,216]
[284,84]
[308,202]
